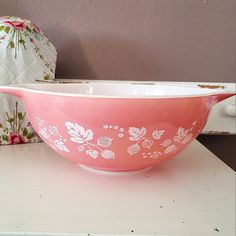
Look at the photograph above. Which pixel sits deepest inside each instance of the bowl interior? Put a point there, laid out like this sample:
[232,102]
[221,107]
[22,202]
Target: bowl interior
[117,89]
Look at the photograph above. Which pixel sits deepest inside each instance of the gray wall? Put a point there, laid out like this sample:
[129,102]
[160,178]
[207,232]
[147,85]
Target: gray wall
[183,40]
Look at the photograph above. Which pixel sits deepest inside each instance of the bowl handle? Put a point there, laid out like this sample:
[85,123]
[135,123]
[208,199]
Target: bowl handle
[220,97]
[16,91]
[220,92]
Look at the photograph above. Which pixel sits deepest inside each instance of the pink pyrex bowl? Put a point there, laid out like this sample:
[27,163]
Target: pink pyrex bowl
[118,126]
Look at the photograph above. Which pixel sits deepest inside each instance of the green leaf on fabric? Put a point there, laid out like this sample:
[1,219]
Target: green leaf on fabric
[7,29]
[47,77]
[4,137]
[30,135]
[22,41]
[28,29]
[2,27]
[11,44]
[25,132]
[10,120]
[20,115]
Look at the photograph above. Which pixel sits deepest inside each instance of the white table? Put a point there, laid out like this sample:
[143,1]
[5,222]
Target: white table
[44,194]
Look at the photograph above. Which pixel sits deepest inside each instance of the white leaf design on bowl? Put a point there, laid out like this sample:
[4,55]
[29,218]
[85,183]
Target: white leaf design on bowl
[60,145]
[52,135]
[44,133]
[78,133]
[136,133]
[157,134]
[181,133]
[187,138]
[53,130]
[40,122]
[104,141]
[108,154]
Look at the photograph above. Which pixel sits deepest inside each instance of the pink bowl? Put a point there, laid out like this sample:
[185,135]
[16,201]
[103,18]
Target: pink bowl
[118,126]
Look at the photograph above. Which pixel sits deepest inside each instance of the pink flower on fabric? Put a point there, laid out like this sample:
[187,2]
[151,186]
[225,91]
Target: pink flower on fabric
[16,138]
[19,25]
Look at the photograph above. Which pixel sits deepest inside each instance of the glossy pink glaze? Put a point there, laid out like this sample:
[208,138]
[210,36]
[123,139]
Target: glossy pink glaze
[117,134]
[95,113]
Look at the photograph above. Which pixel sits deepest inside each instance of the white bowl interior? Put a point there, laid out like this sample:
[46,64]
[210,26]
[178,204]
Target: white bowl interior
[119,89]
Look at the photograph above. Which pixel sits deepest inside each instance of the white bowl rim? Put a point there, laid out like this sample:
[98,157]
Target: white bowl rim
[125,89]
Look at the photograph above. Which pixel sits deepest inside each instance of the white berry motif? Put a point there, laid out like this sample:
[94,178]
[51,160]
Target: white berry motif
[133,149]
[104,141]
[147,143]
[170,149]
[166,143]
[152,155]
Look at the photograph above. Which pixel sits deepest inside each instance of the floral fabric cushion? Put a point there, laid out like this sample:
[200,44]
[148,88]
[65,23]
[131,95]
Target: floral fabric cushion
[26,56]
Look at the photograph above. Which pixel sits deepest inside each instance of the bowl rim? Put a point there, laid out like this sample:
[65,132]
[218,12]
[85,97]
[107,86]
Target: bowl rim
[194,89]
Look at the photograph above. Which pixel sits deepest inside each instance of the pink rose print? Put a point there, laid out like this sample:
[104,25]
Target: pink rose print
[16,130]
[15,138]
[19,25]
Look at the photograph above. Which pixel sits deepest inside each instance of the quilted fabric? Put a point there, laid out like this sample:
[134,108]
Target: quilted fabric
[26,56]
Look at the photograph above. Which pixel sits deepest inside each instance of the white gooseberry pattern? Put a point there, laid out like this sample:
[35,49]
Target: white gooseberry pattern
[84,138]
[142,140]
[50,133]
[139,135]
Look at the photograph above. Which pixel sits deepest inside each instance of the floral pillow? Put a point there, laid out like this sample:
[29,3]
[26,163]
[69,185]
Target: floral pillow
[26,56]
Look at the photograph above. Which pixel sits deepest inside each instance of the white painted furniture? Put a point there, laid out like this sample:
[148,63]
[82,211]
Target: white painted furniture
[44,194]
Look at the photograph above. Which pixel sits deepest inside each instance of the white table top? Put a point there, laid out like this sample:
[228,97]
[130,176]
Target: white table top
[193,194]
